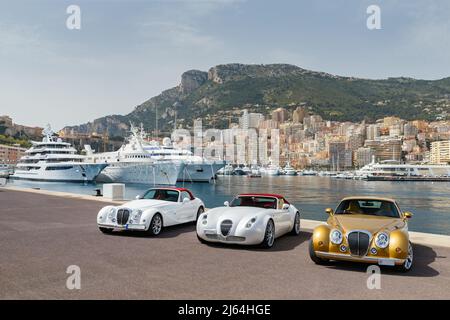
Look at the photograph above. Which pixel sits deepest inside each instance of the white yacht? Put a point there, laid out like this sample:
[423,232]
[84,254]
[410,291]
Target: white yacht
[55,160]
[133,164]
[272,170]
[393,170]
[289,170]
[226,171]
[196,168]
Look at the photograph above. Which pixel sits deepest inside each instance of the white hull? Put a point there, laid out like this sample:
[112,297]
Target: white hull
[154,173]
[199,172]
[61,172]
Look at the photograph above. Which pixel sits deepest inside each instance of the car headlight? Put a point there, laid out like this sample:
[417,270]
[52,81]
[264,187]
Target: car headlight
[382,240]
[250,222]
[205,219]
[135,216]
[111,213]
[336,236]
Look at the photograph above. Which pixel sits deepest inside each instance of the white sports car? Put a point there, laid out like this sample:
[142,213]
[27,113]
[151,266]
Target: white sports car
[249,219]
[155,209]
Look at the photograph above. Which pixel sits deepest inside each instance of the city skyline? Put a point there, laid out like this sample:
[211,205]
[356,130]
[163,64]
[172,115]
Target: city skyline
[126,53]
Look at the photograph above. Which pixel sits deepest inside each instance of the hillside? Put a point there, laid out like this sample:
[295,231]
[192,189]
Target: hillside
[264,87]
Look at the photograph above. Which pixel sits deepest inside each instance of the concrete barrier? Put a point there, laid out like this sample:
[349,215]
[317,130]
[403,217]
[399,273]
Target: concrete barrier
[114,191]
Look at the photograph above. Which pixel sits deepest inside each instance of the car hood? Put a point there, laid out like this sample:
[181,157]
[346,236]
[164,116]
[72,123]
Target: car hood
[235,213]
[372,224]
[145,204]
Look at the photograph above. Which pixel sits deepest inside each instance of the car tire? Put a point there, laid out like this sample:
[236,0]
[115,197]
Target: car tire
[105,230]
[199,212]
[269,235]
[408,264]
[200,239]
[313,256]
[155,226]
[296,227]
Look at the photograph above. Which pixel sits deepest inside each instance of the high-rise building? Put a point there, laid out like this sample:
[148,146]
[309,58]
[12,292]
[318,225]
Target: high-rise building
[11,154]
[363,156]
[373,131]
[337,155]
[299,115]
[280,115]
[386,149]
[410,130]
[440,152]
[250,120]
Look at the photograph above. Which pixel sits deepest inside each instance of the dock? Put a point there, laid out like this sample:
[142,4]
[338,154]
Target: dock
[44,232]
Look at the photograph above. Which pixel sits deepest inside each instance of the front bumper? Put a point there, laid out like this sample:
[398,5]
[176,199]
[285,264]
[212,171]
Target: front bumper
[247,238]
[134,227]
[365,259]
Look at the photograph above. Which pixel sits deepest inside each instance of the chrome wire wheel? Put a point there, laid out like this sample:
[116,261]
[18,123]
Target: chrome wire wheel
[156,224]
[200,211]
[269,236]
[409,259]
[297,223]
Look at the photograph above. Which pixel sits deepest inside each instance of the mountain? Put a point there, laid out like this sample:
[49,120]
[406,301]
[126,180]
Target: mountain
[224,89]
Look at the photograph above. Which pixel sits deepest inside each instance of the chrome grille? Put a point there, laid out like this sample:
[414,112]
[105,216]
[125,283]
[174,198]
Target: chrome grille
[225,227]
[122,216]
[358,242]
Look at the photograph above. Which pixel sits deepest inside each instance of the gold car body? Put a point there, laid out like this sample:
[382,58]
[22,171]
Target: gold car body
[397,229]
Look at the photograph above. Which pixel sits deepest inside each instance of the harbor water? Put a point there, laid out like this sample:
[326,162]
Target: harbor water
[428,201]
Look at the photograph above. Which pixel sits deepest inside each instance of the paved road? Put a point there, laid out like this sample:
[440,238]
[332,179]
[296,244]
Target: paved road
[41,236]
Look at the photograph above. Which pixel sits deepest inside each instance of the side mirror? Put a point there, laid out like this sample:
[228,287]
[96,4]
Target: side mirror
[329,211]
[286,206]
[226,204]
[186,200]
[407,215]
[138,197]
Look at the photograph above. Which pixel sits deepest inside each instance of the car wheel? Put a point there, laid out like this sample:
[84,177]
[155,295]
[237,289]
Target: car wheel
[199,212]
[407,265]
[156,225]
[105,230]
[200,239]
[296,228]
[313,256]
[269,235]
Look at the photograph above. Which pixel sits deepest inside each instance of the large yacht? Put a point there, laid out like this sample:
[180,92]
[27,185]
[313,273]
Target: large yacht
[196,168]
[133,164]
[394,170]
[55,160]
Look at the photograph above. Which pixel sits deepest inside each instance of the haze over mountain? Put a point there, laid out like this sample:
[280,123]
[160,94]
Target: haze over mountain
[261,88]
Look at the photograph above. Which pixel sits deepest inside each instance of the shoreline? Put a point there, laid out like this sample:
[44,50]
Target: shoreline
[308,225]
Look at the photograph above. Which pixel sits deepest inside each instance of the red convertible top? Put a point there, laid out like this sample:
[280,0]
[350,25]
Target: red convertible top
[274,195]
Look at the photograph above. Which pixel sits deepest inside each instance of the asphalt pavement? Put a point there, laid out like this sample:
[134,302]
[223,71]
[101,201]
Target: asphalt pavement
[42,235]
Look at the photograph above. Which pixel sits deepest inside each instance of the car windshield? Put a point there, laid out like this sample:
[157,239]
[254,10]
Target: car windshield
[161,194]
[253,201]
[369,207]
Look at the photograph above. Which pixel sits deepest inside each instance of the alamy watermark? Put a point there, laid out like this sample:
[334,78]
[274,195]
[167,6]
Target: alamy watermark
[374,20]
[73,21]
[374,278]
[74,280]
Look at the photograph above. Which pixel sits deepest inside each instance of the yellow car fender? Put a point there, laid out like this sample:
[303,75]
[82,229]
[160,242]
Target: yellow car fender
[398,244]
[321,238]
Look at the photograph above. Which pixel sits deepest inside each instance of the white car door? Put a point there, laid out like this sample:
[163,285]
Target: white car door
[186,207]
[283,217]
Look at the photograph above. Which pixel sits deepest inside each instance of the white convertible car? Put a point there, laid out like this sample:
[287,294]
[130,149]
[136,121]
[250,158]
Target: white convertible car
[155,209]
[249,219]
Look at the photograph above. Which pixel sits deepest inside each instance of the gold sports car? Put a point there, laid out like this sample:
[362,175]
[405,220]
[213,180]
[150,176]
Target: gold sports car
[364,229]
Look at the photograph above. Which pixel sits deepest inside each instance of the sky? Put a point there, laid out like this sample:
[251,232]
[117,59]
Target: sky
[129,51]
